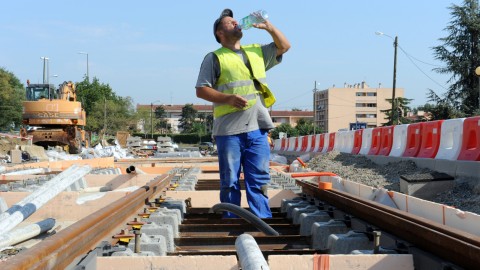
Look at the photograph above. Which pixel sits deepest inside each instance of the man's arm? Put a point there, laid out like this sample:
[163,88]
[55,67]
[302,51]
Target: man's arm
[281,42]
[214,96]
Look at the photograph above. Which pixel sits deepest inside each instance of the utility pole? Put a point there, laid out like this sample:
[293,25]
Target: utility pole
[394,110]
[315,108]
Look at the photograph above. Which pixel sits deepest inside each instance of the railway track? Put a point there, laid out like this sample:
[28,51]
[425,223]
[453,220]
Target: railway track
[119,229]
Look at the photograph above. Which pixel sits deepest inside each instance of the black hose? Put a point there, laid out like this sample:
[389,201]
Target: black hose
[245,214]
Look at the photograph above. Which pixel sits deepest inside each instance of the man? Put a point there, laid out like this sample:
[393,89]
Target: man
[233,78]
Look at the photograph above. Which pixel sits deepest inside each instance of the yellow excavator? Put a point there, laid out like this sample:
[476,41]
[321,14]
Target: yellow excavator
[54,117]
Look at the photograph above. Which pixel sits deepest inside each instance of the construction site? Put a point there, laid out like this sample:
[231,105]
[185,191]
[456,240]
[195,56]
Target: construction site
[333,207]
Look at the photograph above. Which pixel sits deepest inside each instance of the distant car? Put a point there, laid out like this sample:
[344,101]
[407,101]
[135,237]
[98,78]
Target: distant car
[206,146]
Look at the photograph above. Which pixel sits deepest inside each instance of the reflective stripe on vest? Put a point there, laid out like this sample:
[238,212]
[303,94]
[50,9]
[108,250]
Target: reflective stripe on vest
[235,77]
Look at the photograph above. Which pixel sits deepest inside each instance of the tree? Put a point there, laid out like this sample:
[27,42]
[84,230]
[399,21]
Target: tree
[110,116]
[304,127]
[90,93]
[106,112]
[12,94]
[187,118]
[402,110]
[441,108]
[161,122]
[285,128]
[460,52]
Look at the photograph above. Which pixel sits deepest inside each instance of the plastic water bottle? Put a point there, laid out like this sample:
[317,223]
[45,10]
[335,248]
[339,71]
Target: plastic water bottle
[247,22]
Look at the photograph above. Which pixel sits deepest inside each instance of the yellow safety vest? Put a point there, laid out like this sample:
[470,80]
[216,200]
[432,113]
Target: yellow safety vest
[236,78]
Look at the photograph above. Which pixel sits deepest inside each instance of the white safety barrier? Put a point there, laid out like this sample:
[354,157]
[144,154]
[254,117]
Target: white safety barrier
[399,140]
[339,142]
[348,141]
[325,144]
[366,141]
[277,144]
[450,139]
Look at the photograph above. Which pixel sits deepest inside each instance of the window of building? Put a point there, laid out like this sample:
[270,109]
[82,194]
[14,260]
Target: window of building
[371,94]
[360,94]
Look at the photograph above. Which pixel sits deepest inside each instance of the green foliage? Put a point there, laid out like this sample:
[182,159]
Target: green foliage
[107,113]
[401,111]
[12,94]
[460,53]
[286,128]
[90,93]
[440,108]
[187,118]
[304,127]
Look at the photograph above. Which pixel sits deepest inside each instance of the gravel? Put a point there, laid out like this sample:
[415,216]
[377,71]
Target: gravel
[465,195]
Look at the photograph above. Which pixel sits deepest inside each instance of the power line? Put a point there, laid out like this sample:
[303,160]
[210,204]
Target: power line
[410,58]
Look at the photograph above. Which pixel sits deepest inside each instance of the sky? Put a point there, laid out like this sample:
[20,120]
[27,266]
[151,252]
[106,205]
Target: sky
[151,50]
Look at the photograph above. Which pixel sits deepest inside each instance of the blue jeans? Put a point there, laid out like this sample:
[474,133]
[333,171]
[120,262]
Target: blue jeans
[251,151]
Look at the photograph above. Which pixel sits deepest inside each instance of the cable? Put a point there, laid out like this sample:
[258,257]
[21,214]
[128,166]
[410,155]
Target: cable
[408,56]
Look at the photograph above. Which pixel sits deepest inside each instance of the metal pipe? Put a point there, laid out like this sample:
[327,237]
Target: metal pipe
[28,171]
[25,233]
[29,208]
[249,254]
[53,182]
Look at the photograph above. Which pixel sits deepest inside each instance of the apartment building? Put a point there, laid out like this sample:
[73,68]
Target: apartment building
[338,108]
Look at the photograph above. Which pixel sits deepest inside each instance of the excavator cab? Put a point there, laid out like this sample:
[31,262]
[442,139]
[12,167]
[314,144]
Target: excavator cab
[36,92]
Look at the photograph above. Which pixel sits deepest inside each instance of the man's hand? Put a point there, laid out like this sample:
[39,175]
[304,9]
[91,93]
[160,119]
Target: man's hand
[237,101]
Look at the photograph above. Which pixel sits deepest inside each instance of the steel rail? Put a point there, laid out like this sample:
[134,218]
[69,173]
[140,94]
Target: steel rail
[446,242]
[61,249]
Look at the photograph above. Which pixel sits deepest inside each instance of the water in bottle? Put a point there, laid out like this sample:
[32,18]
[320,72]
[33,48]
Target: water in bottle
[247,22]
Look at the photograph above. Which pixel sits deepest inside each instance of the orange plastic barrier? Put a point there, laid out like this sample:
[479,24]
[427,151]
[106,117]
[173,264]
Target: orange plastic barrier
[414,140]
[386,141]
[470,149]
[430,139]
[331,141]
[321,144]
[357,141]
[304,143]
[376,139]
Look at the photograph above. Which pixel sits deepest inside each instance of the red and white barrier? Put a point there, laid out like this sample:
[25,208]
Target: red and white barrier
[453,139]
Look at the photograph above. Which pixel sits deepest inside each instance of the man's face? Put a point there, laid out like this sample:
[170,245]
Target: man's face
[229,28]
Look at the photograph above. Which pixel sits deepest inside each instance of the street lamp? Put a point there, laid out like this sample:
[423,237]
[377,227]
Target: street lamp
[151,117]
[45,68]
[395,45]
[88,78]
